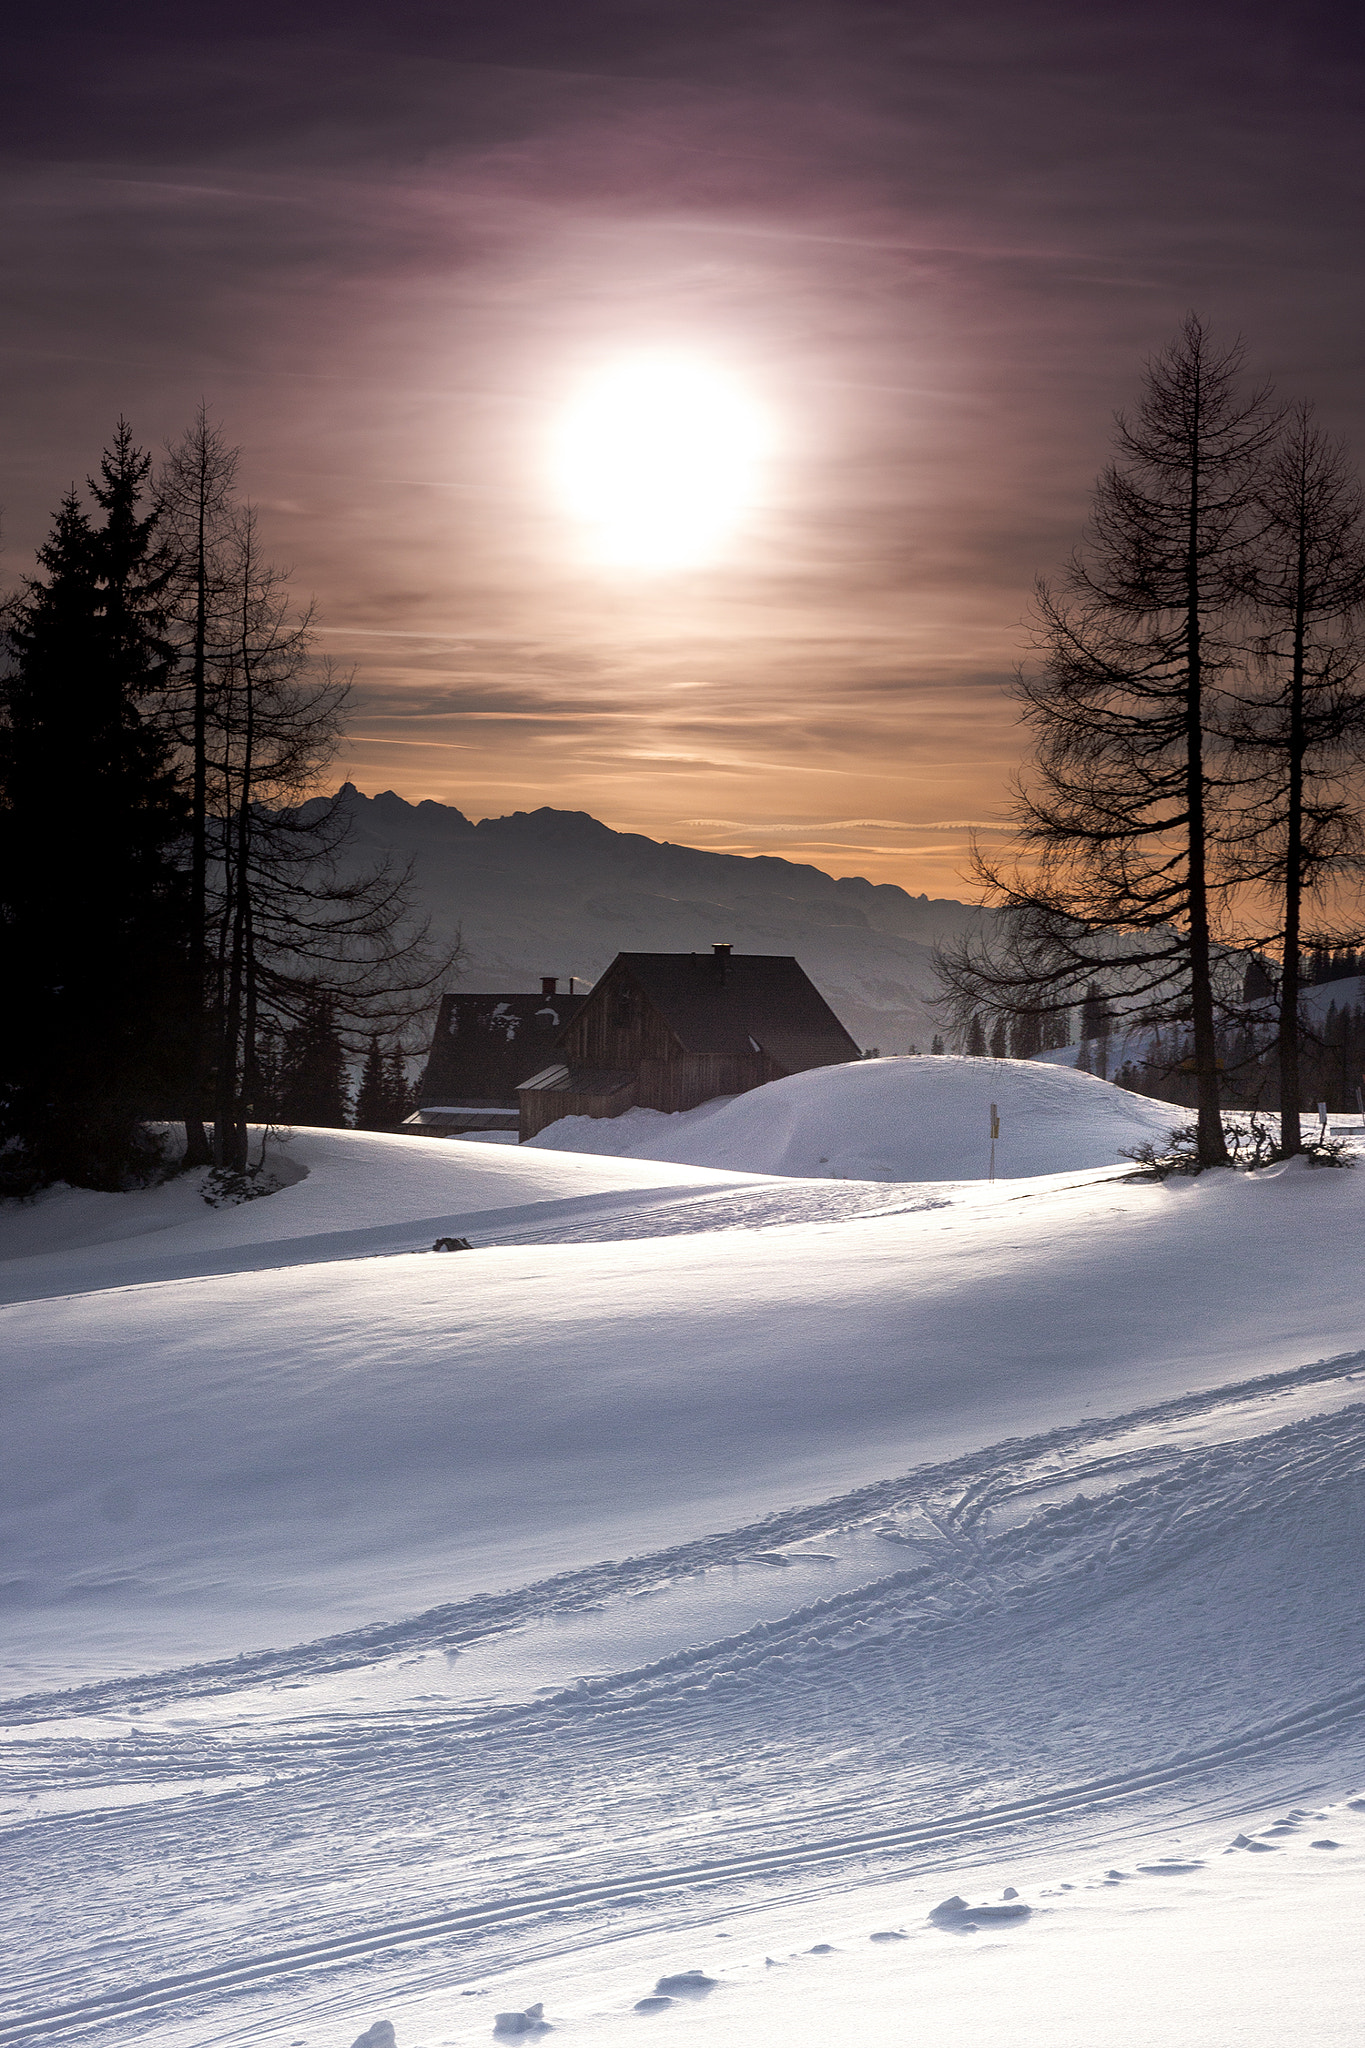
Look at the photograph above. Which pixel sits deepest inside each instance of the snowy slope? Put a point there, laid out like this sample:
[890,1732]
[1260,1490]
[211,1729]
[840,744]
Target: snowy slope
[269,1454]
[890,1120]
[708,1567]
[351,1193]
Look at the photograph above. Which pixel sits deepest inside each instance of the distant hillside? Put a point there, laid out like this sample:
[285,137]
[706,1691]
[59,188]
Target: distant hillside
[555,892]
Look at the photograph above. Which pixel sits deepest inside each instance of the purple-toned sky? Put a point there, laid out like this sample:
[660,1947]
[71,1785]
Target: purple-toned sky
[935,243]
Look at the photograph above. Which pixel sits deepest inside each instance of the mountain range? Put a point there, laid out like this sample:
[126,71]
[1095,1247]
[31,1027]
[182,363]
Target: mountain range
[558,892]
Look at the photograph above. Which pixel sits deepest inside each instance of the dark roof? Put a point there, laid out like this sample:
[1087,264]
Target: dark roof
[741,1003]
[483,1046]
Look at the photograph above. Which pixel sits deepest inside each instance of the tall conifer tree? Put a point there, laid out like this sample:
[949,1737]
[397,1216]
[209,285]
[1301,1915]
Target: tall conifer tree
[93,917]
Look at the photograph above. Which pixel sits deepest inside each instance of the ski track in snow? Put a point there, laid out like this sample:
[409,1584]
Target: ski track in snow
[1115,1626]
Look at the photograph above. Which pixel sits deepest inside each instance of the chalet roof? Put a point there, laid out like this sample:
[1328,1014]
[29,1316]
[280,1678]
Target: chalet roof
[742,1003]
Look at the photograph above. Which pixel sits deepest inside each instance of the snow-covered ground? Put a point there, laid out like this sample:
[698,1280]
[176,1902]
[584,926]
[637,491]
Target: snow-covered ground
[890,1120]
[716,1569]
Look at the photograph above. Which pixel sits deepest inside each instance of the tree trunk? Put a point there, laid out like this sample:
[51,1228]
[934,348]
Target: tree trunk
[1291,1135]
[1212,1147]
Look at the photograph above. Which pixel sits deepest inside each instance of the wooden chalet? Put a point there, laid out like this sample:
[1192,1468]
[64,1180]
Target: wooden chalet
[481,1048]
[671,1030]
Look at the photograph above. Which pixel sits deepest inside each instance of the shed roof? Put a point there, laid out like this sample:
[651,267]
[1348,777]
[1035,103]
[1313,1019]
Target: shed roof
[562,1080]
[738,1003]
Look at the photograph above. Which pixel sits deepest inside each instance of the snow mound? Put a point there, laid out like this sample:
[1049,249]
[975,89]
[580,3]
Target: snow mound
[904,1119]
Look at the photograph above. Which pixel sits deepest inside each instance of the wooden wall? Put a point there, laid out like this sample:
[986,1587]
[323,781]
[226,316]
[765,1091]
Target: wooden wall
[690,1078]
[619,1029]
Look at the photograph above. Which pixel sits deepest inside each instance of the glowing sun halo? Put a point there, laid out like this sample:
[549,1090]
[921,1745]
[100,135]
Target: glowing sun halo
[658,456]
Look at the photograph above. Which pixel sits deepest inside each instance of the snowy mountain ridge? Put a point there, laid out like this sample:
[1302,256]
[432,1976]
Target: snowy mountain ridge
[558,892]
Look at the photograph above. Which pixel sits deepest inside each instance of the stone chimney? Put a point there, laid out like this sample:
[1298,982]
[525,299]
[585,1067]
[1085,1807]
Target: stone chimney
[549,985]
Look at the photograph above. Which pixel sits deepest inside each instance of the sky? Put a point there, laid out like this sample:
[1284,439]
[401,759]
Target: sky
[918,254]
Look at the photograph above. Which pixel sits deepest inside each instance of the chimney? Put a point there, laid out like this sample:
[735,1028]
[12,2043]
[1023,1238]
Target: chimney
[722,949]
[549,985]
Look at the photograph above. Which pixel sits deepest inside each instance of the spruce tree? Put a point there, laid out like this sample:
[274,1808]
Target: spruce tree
[313,1088]
[372,1096]
[93,916]
[401,1099]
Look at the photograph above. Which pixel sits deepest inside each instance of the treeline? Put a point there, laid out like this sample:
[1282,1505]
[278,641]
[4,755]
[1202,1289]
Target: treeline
[1197,706]
[184,933]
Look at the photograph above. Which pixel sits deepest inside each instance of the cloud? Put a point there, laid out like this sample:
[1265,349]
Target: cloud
[770,830]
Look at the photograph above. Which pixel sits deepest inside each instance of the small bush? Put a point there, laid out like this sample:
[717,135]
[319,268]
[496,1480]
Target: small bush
[224,1186]
[1250,1145]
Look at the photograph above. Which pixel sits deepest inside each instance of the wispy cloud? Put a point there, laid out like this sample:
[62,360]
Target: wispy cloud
[939,241]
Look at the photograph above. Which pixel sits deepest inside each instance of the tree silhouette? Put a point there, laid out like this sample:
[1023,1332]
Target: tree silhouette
[94,924]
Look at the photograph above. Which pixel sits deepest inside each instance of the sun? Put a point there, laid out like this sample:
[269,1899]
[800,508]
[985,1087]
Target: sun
[659,457]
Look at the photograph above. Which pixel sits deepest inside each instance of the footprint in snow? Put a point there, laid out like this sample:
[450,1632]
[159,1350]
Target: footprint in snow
[652,2004]
[1325,1843]
[822,1948]
[380,2035]
[956,1915]
[528,2022]
[688,1984]
[888,1934]
[1168,1868]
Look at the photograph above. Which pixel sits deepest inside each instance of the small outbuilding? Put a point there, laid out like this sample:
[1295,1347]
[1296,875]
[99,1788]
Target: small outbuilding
[483,1045]
[672,1030]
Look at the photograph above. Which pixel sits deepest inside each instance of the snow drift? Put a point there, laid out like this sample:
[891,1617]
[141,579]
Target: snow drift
[890,1120]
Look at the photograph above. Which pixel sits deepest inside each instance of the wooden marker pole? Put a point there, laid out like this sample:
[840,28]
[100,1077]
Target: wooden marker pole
[995,1133]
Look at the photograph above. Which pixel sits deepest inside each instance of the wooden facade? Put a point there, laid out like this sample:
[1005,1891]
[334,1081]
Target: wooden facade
[670,1031]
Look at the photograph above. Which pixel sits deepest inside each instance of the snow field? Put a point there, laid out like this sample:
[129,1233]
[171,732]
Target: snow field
[351,1192]
[230,1461]
[715,1569]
